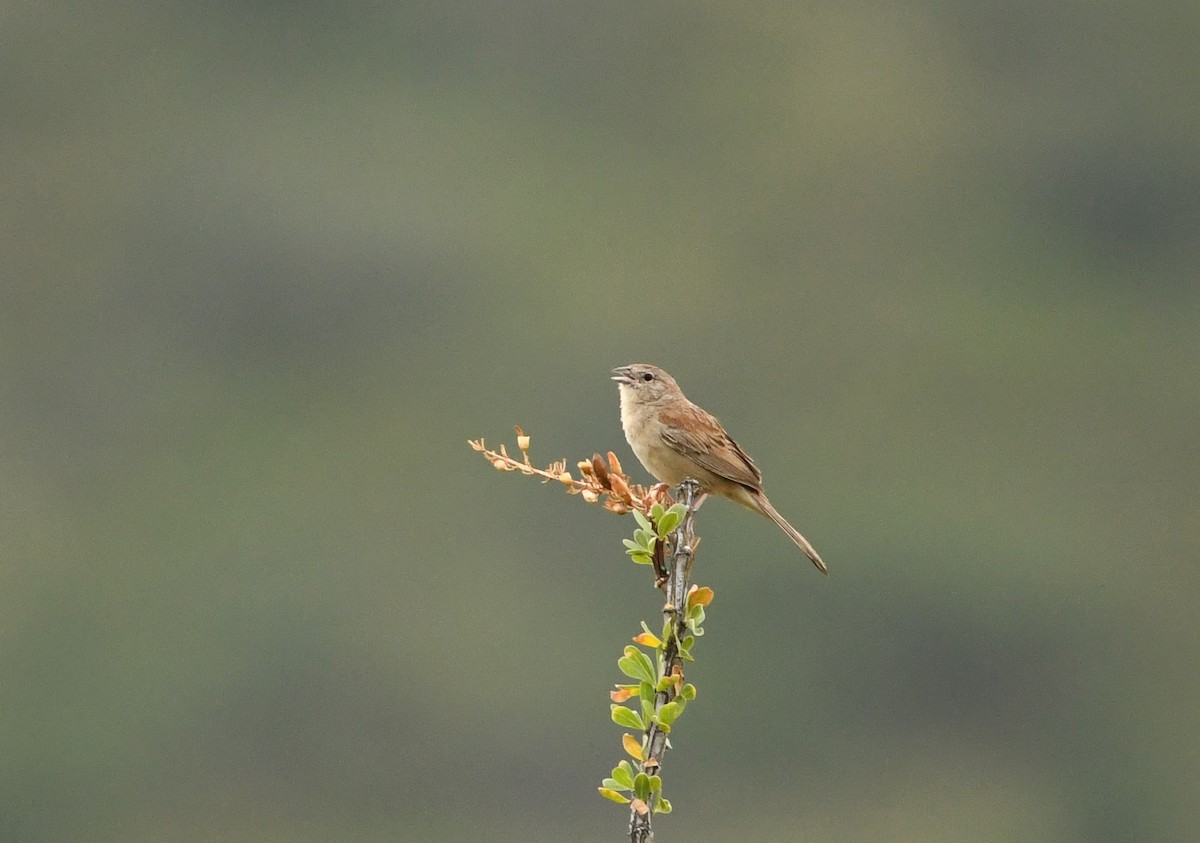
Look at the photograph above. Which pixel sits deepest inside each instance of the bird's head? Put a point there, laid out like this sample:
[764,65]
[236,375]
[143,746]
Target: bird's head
[645,383]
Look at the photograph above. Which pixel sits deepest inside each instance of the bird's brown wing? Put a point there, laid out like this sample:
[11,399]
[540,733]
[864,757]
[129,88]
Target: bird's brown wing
[698,435]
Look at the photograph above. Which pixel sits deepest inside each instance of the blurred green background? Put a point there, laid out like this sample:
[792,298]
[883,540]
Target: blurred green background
[267,267]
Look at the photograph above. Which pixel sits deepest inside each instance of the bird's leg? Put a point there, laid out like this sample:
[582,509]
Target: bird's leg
[690,494]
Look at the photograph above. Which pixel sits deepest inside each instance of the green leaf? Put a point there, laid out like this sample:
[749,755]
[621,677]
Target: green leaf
[645,539]
[643,522]
[641,558]
[641,786]
[646,691]
[661,805]
[635,653]
[656,511]
[631,546]
[627,717]
[668,713]
[630,667]
[607,793]
[688,692]
[668,522]
[678,510]
[656,784]
[623,773]
[613,784]
[636,665]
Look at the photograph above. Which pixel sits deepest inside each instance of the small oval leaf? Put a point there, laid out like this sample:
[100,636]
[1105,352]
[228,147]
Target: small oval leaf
[635,669]
[699,596]
[627,717]
[610,794]
[668,713]
[648,639]
[632,746]
[666,524]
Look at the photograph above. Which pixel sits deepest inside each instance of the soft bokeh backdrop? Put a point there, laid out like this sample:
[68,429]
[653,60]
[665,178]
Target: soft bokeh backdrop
[267,266]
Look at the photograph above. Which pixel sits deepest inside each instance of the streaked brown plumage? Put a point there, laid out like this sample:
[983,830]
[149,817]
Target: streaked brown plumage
[675,439]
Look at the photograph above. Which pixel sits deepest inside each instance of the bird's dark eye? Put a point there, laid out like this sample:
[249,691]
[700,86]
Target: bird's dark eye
[647,377]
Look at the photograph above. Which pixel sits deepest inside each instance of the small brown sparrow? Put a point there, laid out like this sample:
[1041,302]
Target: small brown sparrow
[674,439]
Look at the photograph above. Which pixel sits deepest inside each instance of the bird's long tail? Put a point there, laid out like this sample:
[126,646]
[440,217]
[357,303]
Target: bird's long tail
[764,506]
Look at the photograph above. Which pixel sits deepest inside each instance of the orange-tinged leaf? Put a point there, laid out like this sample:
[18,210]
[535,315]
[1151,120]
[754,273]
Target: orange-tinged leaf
[622,693]
[699,596]
[632,745]
[648,639]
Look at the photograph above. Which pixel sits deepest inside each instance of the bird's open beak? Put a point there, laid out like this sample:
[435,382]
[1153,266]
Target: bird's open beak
[623,374]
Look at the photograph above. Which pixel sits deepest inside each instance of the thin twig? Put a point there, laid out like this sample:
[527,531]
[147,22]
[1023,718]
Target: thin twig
[675,587]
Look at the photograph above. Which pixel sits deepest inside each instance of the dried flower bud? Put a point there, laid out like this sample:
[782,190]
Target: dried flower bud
[499,464]
[590,496]
[601,471]
[614,463]
[619,486]
[565,478]
[523,442]
[585,468]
